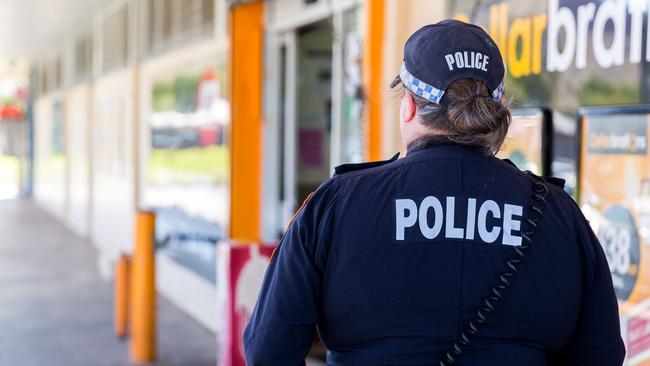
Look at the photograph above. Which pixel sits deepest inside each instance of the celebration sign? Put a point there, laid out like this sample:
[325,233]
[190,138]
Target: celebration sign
[614,194]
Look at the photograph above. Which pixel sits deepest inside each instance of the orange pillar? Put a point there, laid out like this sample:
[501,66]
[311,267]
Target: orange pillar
[246,65]
[121,296]
[373,72]
[143,295]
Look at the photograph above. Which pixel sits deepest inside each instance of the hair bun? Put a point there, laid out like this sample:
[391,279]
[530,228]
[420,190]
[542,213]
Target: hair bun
[471,118]
[474,116]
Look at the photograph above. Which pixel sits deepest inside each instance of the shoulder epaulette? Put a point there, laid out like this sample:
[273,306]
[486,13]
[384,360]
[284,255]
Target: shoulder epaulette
[556,181]
[345,168]
[509,162]
[549,179]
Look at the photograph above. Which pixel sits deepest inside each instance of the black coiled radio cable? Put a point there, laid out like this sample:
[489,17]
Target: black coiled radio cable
[505,279]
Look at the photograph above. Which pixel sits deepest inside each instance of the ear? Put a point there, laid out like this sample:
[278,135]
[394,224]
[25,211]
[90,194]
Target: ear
[408,108]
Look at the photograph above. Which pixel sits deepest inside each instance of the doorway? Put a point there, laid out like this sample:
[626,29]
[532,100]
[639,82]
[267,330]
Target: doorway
[313,107]
[301,101]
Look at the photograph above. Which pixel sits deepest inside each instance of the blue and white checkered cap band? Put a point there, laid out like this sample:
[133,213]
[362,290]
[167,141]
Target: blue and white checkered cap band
[432,93]
[497,94]
[419,87]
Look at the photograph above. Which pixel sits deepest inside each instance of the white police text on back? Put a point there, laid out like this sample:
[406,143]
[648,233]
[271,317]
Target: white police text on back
[478,219]
[467,60]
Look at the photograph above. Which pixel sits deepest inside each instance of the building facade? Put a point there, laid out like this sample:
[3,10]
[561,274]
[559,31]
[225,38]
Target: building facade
[223,116]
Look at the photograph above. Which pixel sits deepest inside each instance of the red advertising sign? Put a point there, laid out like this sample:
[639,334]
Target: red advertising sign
[239,278]
[638,334]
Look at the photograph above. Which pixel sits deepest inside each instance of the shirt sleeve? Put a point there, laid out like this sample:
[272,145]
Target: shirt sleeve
[283,324]
[597,336]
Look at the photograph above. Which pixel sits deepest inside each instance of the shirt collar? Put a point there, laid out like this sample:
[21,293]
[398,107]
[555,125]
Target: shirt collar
[432,142]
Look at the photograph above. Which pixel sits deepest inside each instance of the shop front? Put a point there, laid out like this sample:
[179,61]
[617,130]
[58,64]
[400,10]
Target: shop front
[185,123]
[113,199]
[49,153]
[614,194]
[585,63]
[77,133]
[313,101]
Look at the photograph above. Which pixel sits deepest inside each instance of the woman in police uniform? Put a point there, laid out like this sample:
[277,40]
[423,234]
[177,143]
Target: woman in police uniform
[448,255]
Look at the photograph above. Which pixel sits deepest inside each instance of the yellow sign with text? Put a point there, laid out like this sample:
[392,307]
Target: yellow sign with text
[563,37]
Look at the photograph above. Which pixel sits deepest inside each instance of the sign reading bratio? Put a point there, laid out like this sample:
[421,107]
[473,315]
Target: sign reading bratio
[609,33]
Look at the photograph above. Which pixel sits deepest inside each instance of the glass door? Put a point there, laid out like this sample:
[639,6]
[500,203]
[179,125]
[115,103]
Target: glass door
[314,110]
[313,107]
[279,193]
[287,128]
[347,90]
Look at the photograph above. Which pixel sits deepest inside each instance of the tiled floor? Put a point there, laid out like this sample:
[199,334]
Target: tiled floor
[55,310]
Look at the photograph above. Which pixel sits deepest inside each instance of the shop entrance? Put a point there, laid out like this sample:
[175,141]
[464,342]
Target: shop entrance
[304,116]
[313,108]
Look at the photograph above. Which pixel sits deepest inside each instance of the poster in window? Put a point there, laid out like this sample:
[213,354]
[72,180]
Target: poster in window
[188,158]
[614,195]
[524,143]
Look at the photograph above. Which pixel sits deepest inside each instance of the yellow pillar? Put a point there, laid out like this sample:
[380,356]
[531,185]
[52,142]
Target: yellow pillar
[246,65]
[143,295]
[372,72]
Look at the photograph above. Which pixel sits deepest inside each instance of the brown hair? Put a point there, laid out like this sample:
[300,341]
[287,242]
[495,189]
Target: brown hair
[471,116]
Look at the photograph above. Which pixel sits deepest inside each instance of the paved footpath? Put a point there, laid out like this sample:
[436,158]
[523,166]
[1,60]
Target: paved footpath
[55,310]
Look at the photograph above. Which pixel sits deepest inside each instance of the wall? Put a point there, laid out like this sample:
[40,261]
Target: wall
[113,180]
[77,134]
[49,156]
[402,18]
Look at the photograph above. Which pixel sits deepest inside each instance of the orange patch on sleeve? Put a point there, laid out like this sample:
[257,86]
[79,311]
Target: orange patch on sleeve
[304,203]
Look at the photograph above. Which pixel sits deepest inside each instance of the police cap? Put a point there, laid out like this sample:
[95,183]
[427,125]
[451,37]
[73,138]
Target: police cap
[438,54]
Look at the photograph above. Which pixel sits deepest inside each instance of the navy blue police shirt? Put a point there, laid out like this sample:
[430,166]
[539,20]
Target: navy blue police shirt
[389,263]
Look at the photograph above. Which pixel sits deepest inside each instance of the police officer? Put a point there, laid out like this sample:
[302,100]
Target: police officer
[448,255]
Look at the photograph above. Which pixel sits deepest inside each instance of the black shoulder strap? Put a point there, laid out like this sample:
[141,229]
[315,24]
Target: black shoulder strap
[504,280]
[344,168]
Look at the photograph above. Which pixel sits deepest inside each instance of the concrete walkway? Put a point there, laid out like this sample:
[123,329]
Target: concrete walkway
[55,310]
